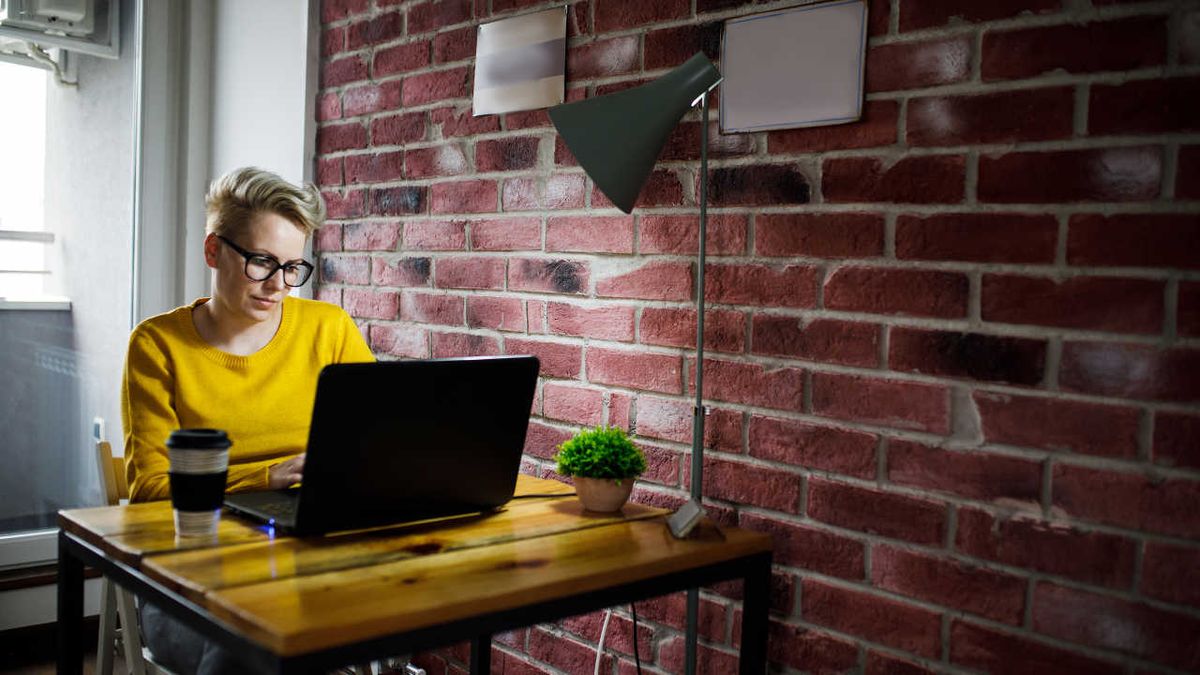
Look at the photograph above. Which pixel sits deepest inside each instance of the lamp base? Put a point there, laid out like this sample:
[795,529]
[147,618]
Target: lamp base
[682,522]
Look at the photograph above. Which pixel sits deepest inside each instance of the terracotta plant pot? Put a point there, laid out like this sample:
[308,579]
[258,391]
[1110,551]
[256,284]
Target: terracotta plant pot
[603,495]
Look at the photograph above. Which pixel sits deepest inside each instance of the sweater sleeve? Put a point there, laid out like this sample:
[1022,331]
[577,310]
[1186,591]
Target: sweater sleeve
[148,411]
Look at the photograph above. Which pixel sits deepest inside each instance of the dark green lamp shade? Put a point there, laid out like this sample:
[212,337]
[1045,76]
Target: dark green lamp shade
[617,138]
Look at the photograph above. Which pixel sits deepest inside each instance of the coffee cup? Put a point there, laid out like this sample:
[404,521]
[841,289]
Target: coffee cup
[199,465]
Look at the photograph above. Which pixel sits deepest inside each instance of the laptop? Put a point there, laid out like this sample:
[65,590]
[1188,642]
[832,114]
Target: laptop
[402,441]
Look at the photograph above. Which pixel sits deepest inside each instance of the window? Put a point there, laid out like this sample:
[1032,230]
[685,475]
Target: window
[23,240]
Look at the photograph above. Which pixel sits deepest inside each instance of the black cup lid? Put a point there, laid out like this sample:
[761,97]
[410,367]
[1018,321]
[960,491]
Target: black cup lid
[199,439]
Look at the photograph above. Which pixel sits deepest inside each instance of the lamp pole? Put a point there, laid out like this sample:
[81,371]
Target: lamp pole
[698,411]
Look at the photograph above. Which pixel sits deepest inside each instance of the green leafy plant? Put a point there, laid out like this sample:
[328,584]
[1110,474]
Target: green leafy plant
[602,452]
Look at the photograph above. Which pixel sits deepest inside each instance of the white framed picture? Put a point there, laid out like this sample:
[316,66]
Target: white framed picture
[795,67]
[520,63]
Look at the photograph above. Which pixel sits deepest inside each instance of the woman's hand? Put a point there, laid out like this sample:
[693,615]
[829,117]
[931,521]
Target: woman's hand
[285,473]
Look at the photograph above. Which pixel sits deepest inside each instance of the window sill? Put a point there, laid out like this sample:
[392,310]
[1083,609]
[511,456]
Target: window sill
[43,303]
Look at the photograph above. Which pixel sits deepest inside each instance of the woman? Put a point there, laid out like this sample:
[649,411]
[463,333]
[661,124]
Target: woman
[245,360]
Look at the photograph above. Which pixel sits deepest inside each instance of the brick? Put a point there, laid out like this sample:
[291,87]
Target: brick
[1189,39]
[475,272]
[507,314]
[1049,547]
[1172,573]
[1102,174]
[636,370]
[709,661]
[1131,371]
[543,441]
[905,405]
[884,664]
[345,269]
[447,159]
[1177,439]
[912,65]
[450,345]
[1058,425]
[1187,177]
[897,291]
[810,446]
[467,196]
[887,514]
[398,129]
[600,322]
[662,464]
[671,609]
[400,59]
[657,280]
[579,405]
[875,618]
[560,191]
[1188,309]
[670,47]
[328,238]
[341,71]
[506,154]
[333,40]
[1112,623]
[933,13]
[752,384]
[761,285]
[616,16]
[725,234]
[454,122]
[507,234]
[809,548]
[975,356]
[662,188]
[620,411]
[437,86]
[350,204]
[446,310]
[435,235]
[378,29]
[992,651]
[404,341]
[683,143]
[974,474]
[548,275]
[379,167]
[876,127]
[757,185]
[1135,240]
[602,234]
[942,581]
[454,45]
[408,271]
[329,107]
[365,304]
[1126,44]
[329,294]
[803,648]
[824,340]
[821,235]
[724,330]
[671,419]
[557,359]
[336,137]
[336,10]
[977,237]
[437,14]
[1134,501]
[603,58]
[1002,117]
[1145,106]
[620,632]
[329,172]
[743,483]
[1086,303]
[924,179]
[398,201]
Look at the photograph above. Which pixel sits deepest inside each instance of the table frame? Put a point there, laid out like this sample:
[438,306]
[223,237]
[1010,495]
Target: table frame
[73,553]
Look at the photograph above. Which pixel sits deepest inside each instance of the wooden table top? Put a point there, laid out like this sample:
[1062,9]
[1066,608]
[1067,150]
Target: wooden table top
[297,595]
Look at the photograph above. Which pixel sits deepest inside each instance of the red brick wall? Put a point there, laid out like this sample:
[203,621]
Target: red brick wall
[955,347]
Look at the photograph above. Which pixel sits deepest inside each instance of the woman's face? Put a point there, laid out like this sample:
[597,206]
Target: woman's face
[267,234]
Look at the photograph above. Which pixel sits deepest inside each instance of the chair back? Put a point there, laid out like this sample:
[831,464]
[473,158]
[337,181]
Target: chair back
[112,474]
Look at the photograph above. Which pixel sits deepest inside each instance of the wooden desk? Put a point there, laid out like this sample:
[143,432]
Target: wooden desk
[316,603]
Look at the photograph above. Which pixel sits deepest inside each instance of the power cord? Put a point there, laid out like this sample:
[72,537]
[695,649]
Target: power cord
[637,657]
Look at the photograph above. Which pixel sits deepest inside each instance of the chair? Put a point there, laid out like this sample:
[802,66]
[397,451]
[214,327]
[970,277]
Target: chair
[114,600]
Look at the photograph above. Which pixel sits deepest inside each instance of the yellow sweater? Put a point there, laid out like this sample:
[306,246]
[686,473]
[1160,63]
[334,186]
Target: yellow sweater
[174,379]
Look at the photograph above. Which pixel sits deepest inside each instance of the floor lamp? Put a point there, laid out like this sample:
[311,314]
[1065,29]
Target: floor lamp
[617,139]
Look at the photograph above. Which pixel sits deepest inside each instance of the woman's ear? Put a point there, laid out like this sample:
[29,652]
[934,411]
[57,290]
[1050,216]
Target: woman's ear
[212,247]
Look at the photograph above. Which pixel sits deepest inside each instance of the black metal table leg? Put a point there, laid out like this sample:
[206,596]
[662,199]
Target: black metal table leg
[481,655]
[70,610]
[755,606]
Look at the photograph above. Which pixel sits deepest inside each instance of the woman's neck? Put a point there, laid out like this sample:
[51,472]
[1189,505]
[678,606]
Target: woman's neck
[231,333]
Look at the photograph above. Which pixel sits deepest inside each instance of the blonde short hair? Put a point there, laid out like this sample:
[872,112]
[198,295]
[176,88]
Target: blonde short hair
[236,197]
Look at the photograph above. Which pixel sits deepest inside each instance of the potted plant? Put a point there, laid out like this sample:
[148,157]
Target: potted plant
[603,462]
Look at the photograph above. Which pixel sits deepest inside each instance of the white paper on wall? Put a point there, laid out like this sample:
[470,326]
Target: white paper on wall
[520,63]
[797,67]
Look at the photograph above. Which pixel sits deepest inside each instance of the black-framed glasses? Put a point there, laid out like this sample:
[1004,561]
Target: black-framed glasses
[260,267]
